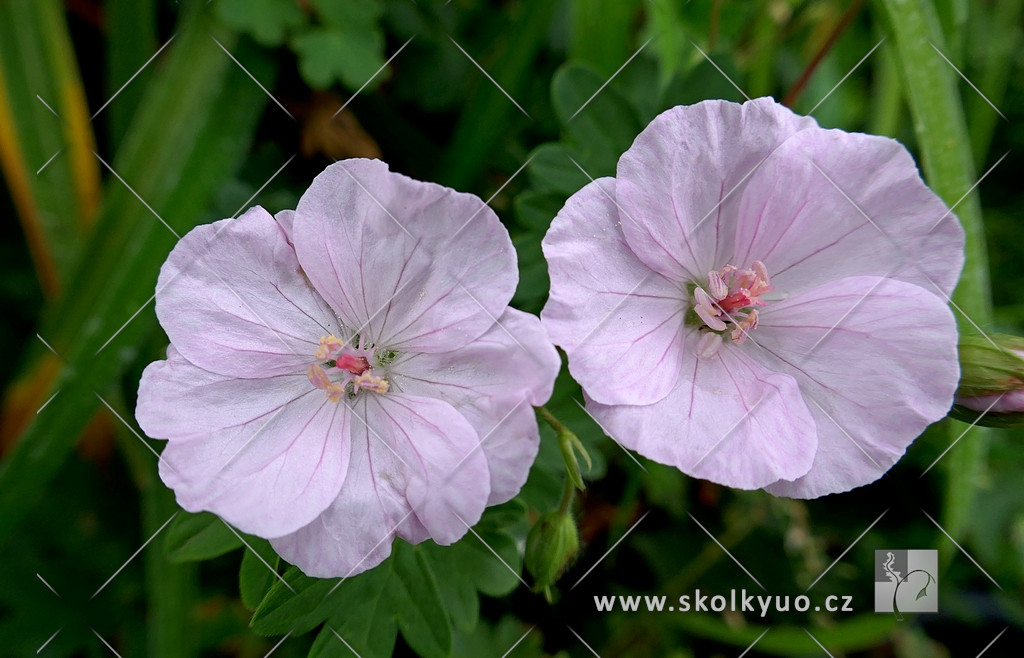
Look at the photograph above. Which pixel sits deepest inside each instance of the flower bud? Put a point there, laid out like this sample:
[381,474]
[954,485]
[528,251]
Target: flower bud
[551,548]
[991,388]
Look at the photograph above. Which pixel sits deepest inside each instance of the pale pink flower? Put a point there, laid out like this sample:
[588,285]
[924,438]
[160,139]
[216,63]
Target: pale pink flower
[758,301]
[349,373]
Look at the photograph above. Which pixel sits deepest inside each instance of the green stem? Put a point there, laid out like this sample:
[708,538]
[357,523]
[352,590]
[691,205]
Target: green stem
[568,495]
[170,588]
[550,419]
[931,86]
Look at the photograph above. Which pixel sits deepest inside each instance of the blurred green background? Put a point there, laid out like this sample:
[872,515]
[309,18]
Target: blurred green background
[125,122]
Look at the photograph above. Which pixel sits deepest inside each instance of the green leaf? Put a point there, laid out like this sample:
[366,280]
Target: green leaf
[601,31]
[551,169]
[350,55]
[131,41]
[51,174]
[295,604]
[255,578]
[367,610]
[535,210]
[267,21]
[190,134]
[485,640]
[923,592]
[193,537]
[510,62]
[349,13]
[597,120]
[401,595]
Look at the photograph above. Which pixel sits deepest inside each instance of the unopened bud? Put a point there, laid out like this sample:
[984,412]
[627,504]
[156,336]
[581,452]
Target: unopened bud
[991,388]
[551,548]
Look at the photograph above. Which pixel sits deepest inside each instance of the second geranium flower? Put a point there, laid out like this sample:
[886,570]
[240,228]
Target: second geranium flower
[758,301]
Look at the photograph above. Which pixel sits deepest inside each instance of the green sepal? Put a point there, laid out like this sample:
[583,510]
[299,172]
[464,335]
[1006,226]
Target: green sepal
[989,367]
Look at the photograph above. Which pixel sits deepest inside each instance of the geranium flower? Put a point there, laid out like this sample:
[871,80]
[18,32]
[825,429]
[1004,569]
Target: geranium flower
[759,301]
[349,373]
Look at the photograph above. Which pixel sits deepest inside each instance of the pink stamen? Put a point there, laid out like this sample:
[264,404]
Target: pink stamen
[356,365]
[735,296]
[353,365]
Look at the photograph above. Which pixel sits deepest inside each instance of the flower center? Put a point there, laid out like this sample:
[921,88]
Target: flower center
[346,369]
[729,303]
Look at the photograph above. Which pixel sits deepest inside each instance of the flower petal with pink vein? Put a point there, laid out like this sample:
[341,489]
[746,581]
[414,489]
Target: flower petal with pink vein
[620,322]
[728,420]
[233,299]
[411,265]
[877,361]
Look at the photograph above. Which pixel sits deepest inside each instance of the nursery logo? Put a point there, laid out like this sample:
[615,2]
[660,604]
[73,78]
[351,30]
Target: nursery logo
[905,581]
